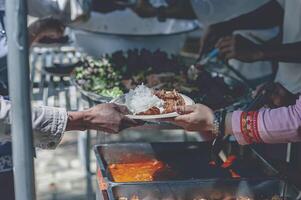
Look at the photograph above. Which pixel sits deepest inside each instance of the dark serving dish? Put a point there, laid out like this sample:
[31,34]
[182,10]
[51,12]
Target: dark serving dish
[271,189]
[187,161]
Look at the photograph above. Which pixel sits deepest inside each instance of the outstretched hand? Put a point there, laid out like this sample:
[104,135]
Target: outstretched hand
[108,117]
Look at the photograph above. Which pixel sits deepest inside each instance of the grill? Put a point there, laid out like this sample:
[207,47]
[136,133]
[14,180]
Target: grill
[191,176]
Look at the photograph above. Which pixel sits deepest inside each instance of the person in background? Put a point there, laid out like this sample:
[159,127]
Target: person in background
[287,53]
[210,12]
[50,123]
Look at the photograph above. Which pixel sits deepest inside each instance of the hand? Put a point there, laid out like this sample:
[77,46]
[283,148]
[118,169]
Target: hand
[46,28]
[144,8]
[239,48]
[277,95]
[212,35]
[103,117]
[108,117]
[195,118]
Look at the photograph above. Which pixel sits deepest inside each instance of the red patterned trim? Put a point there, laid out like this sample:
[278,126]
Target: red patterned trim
[244,128]
[255,127]
[249,127]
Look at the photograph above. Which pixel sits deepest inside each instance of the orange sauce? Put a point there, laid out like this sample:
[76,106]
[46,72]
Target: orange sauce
[136,172]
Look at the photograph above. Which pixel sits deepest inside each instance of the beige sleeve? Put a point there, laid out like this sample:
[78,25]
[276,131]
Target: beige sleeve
[48,124]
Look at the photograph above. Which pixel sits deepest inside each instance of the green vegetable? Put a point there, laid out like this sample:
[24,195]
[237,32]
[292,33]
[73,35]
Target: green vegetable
[100,77]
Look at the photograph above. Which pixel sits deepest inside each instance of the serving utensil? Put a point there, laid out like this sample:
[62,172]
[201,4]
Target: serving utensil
[193,71]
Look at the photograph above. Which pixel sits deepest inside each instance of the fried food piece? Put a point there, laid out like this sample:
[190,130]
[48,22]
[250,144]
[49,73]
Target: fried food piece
[244,198]
[199,197]
[276,197]
[135,197]
[151,111]
[216,195]
[171,100]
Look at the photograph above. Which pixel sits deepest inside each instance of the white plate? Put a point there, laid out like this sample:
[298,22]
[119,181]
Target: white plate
[120,100]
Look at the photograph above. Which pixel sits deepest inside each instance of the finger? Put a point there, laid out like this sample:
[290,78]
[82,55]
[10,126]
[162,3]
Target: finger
[224,52]
[184,109]
[224,44]
[224,40]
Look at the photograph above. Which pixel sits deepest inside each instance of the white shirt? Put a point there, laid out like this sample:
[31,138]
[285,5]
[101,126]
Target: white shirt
[48,124]
[289,74]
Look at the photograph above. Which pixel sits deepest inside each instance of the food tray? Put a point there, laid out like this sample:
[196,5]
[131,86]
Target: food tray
[206,190]
[189,161]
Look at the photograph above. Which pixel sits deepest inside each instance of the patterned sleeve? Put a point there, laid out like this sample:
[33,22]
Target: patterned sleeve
[281,125]
[48,124]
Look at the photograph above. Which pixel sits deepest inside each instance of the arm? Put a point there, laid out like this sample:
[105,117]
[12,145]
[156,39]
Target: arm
[50,123]
[281,125]
[177,10]
[180,10]
[267,16]
[243,49]
[282,52]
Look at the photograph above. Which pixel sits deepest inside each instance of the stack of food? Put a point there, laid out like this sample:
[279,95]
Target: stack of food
[115,74]
[145,101]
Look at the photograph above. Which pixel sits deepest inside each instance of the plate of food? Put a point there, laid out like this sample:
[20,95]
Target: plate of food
[148,104]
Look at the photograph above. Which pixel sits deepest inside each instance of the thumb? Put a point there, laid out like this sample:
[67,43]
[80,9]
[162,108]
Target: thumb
[182,110]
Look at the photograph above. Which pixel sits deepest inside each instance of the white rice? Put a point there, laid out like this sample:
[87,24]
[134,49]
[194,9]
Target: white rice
[141,99]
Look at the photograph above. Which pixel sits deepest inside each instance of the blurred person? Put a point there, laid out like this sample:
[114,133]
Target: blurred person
[210,12]
[287,14]
[49,123]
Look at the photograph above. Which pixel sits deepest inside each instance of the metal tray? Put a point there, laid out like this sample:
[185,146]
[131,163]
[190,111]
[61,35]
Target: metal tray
[90,96]
[189,161]
[206,190]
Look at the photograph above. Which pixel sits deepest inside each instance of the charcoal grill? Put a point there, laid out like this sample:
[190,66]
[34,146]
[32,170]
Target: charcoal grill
[190,164]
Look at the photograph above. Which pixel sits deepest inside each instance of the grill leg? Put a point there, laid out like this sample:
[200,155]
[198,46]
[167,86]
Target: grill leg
[89,187]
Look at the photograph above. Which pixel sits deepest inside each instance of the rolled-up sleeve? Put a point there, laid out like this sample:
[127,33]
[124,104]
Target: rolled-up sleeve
[48,123]
[281,125]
